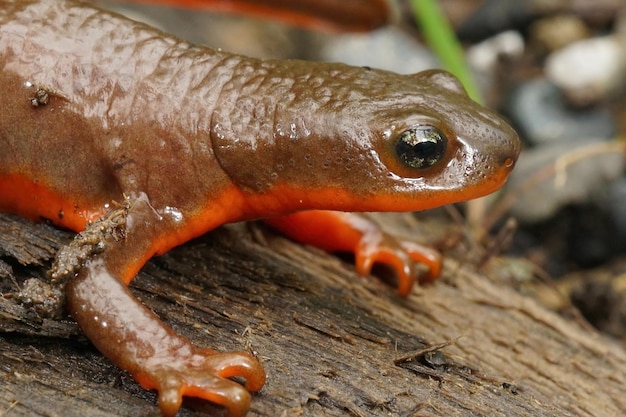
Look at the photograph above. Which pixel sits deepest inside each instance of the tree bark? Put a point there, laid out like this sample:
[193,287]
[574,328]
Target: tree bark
[333,343]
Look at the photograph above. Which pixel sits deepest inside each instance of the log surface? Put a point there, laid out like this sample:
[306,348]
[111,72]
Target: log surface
[333,343]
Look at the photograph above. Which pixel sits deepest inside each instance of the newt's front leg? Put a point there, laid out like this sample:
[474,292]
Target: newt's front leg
[134,338]
[337,231]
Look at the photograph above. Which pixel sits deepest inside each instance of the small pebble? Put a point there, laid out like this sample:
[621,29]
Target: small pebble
[541,115]
[552,33]
[389,48]
[486,59]
[486,55]
[589,70]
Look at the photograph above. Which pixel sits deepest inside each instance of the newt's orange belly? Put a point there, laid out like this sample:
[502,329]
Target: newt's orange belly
[35,201]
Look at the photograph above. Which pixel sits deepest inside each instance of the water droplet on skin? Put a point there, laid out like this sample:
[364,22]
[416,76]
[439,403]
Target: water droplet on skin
[173,213]
[279,130]
[293,133]
[217,130]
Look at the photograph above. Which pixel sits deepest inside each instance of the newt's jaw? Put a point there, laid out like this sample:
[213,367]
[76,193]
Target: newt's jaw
[283,199]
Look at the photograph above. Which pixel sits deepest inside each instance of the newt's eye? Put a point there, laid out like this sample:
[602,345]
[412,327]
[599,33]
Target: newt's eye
[421,147]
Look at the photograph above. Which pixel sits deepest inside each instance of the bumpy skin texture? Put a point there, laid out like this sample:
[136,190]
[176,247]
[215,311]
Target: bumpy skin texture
[99,113]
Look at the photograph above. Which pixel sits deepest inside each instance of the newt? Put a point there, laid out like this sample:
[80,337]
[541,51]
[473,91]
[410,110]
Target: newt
[109,125]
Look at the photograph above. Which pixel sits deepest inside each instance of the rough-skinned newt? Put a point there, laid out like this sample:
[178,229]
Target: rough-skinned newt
[157,141]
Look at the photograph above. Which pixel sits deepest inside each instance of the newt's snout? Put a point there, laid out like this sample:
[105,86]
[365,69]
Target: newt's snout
[507,150]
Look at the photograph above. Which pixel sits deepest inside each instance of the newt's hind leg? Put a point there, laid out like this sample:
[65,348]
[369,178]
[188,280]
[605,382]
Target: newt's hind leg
[133,337]
[337,231]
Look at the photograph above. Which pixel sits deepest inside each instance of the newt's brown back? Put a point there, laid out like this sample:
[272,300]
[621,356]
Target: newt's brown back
[130,110]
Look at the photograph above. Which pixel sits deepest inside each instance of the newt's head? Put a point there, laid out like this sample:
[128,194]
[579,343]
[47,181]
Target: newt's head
[368,140]
[442,146]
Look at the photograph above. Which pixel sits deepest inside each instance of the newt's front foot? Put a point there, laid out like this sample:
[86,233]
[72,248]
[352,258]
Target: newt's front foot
[351,232]
[135,339]
[401,255]
[205,375]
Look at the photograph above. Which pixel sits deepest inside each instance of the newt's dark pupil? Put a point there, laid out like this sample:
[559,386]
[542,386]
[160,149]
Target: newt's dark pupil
[421,147]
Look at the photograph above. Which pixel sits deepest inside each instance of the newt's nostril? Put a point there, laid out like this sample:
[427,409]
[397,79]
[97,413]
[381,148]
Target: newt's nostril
[509,162]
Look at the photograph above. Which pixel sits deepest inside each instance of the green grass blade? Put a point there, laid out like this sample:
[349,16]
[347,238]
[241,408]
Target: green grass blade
[442,40]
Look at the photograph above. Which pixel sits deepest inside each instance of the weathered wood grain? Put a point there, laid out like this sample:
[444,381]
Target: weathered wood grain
[327,338]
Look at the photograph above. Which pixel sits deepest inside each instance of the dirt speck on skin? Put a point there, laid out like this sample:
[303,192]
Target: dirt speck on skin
[42,97]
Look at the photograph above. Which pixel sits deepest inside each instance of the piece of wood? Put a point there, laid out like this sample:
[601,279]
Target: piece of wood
[333,343]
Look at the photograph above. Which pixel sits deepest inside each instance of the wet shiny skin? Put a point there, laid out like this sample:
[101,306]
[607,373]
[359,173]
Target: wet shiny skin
[195,138]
